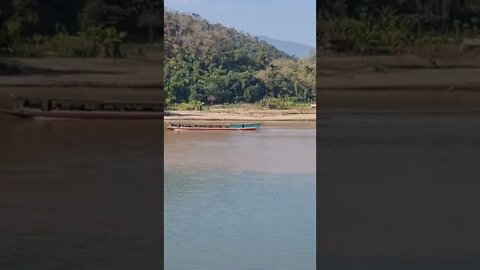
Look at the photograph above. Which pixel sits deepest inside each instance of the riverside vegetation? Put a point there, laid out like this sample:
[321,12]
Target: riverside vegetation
[78,28]
[208,63]
[396,26]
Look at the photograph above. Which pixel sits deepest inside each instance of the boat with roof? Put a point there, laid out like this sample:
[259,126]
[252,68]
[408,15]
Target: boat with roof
[64,108]
[206,127]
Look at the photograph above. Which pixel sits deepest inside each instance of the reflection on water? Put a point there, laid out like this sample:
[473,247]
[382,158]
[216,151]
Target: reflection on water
[240,200]
[80,194]
[399,191]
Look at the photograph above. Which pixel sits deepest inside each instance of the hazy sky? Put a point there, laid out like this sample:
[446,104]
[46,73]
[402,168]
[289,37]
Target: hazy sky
[290,20]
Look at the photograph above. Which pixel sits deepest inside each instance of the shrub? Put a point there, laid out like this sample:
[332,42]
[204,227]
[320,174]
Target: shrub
[283,103]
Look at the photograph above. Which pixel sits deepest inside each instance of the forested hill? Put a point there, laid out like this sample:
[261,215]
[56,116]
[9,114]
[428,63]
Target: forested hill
[212,63]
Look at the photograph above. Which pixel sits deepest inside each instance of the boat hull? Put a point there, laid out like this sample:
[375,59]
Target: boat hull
[86,114]
[226,129]
[218,127]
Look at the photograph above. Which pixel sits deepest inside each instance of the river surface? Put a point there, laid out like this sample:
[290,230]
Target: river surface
[398,191]
[240,200]
[80,194]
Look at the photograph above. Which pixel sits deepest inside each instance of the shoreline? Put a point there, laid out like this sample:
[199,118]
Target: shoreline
[260,115]
[80,84]
[400,101]
[397,72]
[398,84]
[81,72]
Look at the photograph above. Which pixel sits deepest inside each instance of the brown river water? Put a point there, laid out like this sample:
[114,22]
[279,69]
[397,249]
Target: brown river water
[398,191]
[80,194]
[241,200]
[282,147]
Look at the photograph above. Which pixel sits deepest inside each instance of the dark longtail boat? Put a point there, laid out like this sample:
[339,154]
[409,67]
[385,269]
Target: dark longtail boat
[61,108]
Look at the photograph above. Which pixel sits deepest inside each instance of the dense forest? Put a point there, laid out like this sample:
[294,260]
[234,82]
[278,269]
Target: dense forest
[394,26]
[83,28]
[210,63]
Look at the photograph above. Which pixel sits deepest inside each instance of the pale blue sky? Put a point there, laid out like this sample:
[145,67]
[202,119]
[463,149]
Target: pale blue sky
[290,20]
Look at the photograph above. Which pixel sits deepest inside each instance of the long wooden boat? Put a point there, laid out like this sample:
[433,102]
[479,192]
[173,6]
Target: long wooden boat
[85,109]
[233,127]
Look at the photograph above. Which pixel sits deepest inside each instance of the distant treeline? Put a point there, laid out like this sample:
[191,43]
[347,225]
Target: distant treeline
[215,64]
[77,27]
[395,25]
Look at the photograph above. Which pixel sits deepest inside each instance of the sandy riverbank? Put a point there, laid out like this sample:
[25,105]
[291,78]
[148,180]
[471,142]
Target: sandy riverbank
[239,114]
[398,83]
[75,72]
[402,72]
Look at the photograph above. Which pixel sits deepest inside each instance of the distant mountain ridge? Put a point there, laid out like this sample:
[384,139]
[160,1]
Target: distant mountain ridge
[292,48]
